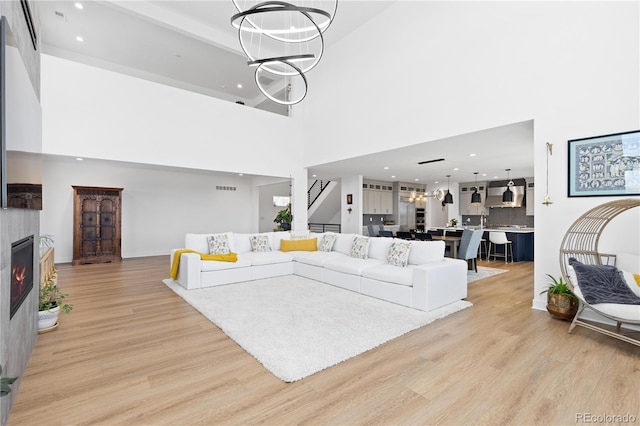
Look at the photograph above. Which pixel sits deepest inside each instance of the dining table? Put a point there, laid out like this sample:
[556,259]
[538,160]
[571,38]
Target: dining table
[452,242]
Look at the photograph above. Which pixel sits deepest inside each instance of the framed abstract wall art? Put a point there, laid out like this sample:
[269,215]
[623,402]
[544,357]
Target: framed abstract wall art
[606,165]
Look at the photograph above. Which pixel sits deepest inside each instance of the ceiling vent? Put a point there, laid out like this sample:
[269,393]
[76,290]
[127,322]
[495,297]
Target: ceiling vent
[225,188]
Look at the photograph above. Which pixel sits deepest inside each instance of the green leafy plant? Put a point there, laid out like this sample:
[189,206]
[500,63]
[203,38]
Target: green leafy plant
[558,286]
[51,295]
[453,222]
[5,383]
[284,216]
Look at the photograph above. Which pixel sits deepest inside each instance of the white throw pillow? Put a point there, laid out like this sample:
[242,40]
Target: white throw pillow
[360,247]
[399,253]
[260,243]
[218,244]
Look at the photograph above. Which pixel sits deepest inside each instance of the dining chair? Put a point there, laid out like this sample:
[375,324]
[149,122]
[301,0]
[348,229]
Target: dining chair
[385,234]
[453,233]
[404,235]
[469,245]
[496,239]
[423,236]
[372,233]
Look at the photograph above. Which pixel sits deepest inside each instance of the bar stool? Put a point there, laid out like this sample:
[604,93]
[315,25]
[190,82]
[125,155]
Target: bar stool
[482,249]
[500,238]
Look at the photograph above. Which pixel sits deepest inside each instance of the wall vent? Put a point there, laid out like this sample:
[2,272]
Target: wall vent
[225,188]
[60,16]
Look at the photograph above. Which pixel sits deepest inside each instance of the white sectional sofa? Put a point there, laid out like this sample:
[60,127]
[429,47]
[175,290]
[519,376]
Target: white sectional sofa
[428,281]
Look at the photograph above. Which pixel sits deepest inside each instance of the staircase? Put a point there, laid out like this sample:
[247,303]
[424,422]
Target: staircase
[323,203]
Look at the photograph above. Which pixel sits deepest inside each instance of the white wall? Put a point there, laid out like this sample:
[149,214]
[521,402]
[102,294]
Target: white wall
[268,211]
[158,206]
[422,71]
[96,113]
[351,223]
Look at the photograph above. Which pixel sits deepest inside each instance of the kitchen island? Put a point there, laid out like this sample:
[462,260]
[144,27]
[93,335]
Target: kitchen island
[521,237]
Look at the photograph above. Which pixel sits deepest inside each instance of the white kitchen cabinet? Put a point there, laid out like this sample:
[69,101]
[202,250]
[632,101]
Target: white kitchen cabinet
[377,197]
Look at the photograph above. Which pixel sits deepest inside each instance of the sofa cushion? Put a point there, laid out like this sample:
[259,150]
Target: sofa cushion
[426,251]
[310,244]
[213,265]
[219,243]
[316,258]
[379,247]
[260,243]
[267,257]
[343,243]
[399,253]
[633,281]
[360,247]
[391,274]
[326,242]
[275,238]
[351,265]
[197,242]
[603,284]
[241,243]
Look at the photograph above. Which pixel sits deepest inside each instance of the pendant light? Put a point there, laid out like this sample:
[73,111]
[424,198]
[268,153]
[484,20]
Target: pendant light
[476,198]
[507,195]
[547,198]
[448,198]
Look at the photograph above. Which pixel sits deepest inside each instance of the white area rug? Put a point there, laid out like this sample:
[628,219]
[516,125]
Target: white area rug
[295,326]
[483,272]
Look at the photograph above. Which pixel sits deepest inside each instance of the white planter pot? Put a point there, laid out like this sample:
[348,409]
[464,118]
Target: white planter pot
[47,319]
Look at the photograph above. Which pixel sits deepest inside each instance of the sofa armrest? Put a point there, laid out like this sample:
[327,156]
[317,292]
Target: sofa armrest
[189,270]
[439,283]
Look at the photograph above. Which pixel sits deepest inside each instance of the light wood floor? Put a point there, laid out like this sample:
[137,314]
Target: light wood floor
[132,352]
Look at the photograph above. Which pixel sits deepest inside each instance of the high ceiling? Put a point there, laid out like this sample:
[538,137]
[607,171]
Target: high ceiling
[192,45]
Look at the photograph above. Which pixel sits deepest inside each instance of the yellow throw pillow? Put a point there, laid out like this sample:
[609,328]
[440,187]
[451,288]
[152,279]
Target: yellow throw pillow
[310,244]
[637,278]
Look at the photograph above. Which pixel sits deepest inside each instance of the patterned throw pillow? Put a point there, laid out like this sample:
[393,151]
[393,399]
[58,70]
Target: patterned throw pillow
[360,247]
[399,254]
[260,243]
[218,244]
[326,243]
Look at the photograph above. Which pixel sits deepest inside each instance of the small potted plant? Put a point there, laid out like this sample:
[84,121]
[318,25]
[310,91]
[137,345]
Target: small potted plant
[453,222]
[561,302]
[52,302]
[5,383]
[284,218]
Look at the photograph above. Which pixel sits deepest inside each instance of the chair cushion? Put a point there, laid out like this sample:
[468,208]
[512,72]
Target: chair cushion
[390,273]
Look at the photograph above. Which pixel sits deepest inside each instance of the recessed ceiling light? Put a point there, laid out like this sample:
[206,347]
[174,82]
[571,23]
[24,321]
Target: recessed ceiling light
[314,175]
[393,177]
[455,168]
[239,86]
[79,159]
[484,174]
[436,182]
[495,177]
[386,167]
[79,38]
[240,174]
[78,5]
[472,155]
[416,179]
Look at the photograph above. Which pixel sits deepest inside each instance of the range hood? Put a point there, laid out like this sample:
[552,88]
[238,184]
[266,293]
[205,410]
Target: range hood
[496,188]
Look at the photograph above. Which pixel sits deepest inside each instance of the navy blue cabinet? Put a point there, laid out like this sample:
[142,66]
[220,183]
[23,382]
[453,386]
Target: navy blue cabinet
[522,245]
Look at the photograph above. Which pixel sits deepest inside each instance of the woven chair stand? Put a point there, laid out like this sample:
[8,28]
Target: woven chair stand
[581,242]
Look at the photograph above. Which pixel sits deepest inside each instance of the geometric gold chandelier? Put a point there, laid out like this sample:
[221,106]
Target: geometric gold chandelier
[283,41]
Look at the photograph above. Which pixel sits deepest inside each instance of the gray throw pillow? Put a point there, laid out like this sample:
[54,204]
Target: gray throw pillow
[603,284]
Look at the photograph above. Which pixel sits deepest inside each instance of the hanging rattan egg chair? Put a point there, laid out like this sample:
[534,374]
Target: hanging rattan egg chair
[581,242]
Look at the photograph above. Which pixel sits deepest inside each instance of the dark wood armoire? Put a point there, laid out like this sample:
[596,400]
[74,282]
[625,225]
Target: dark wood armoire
[97,219]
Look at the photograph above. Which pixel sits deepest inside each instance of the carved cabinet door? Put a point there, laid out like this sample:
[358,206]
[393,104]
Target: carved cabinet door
[96,224]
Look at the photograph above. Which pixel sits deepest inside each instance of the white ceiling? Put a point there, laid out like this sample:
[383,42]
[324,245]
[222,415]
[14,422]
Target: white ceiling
[192,45]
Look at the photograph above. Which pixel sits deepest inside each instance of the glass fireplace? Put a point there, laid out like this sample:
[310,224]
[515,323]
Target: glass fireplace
[21,272]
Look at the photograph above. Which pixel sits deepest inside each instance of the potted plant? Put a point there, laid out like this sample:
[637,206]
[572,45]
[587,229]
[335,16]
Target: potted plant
[52,302]
[453,222]
[284,218]
[5,383]
[561,302]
